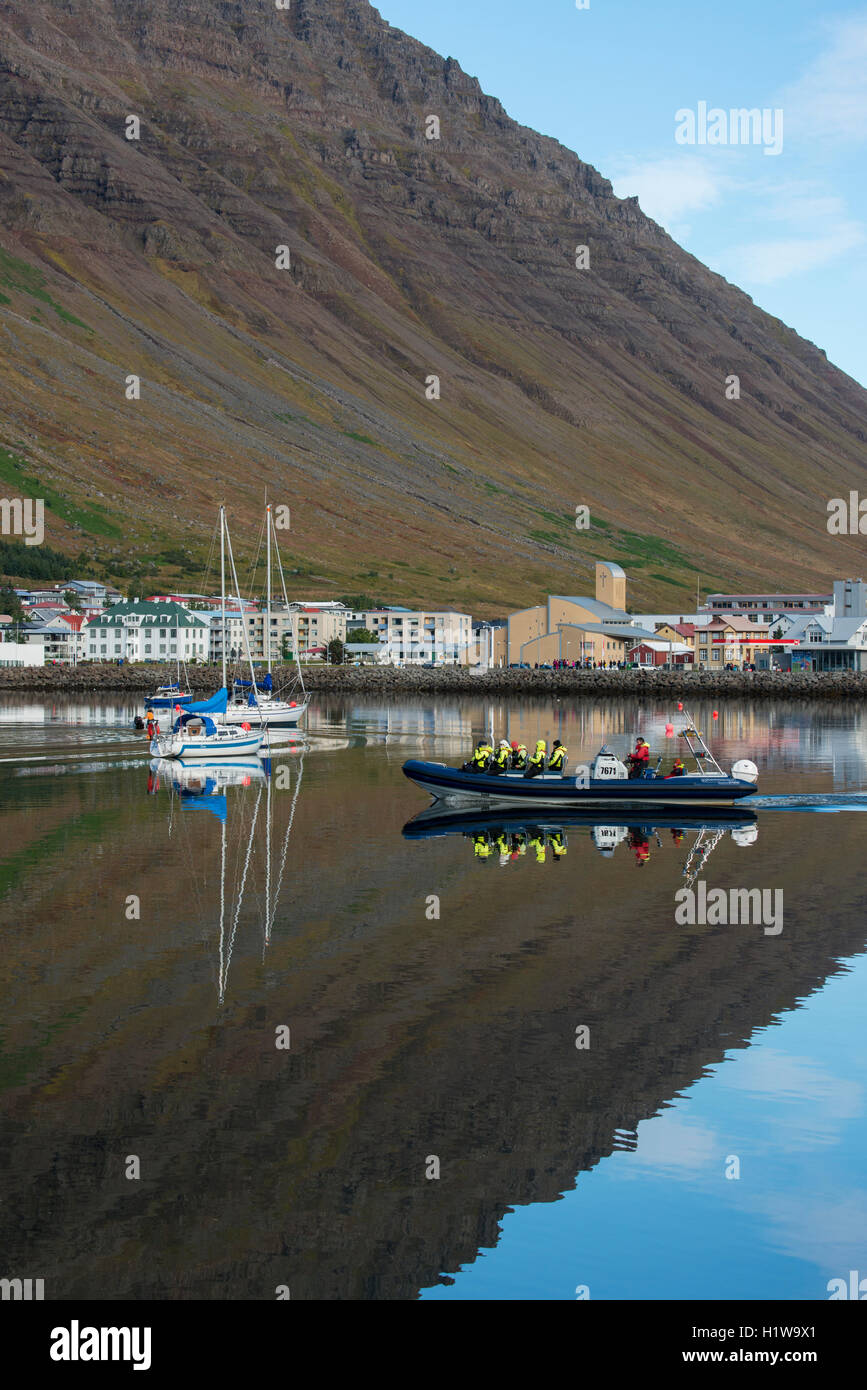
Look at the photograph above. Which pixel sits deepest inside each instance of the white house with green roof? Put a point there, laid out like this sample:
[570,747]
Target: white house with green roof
[142,631]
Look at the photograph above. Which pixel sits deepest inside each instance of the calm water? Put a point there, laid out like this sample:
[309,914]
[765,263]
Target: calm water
[161,931]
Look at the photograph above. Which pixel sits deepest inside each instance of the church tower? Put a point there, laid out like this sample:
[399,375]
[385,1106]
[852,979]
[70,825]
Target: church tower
[610,584]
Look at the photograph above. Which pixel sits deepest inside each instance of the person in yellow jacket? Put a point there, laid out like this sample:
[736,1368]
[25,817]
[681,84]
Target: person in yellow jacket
[519,756]
[557,760]
[558,844]
[536,760]
[482,847]
[501,759]
[537,842]
[479,761]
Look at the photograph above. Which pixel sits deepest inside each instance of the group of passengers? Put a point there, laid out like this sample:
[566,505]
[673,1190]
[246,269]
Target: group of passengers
[490,844]
[514,757]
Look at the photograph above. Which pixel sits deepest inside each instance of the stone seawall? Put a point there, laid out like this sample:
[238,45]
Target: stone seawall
[385,681]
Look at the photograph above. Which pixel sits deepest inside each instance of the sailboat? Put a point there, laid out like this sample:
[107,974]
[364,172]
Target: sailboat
[200,732]
[254,702]
[167,696]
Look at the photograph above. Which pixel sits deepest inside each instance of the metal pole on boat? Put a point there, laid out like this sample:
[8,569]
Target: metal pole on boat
[223,584]
[293,624]
[268,592]
[243,616]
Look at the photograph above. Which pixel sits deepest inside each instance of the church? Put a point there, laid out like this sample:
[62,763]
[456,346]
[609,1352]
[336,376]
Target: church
[572,628]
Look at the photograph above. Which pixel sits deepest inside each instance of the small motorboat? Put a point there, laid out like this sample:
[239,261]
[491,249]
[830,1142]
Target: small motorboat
[605,782]
[167,696]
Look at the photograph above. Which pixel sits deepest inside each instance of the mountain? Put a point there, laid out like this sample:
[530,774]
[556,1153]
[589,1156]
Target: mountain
[406,258]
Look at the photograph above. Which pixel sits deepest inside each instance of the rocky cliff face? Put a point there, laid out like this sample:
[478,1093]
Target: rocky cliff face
[307,371]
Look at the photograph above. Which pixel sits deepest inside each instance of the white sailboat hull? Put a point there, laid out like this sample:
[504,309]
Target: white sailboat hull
[225,743]
[275,714]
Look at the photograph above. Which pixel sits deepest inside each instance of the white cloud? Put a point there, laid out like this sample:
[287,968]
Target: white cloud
[767,262]
[669,189]
[784,1080]
[830,100]
[673,1142]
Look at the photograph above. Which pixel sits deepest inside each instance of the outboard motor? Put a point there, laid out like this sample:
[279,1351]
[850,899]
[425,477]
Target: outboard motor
[745,834]
[745,771]
[605,766]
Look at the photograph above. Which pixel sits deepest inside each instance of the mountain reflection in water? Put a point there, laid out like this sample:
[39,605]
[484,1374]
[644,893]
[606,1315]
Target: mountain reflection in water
[301,904]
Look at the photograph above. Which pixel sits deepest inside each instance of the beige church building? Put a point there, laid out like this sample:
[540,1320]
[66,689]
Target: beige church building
[569,628]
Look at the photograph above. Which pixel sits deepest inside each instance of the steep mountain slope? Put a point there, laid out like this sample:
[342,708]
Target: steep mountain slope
[408,257]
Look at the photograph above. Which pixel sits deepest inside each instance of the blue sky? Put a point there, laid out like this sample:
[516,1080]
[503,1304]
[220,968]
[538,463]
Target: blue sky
[790,228]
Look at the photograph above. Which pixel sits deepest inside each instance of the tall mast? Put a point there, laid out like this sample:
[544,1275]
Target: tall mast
[292,620]
[243,616]
[223,583]
[268,600]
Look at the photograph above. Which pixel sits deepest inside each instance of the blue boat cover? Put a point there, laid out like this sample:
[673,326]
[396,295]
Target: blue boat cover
[266,684]
[206,721]
[218,704]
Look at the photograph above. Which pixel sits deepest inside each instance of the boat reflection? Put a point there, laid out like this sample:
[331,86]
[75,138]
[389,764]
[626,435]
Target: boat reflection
[203,786]
[509,837]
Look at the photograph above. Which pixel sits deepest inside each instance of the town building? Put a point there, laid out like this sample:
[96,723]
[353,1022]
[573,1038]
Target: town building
[573,628]
[234,636]
[320,622]
[850,598]
[137,630]
[677,632]
[412,637]
[820,643]
[88,591]
[655,620]
[14,653]
[768,603]
[737,640]
[60,634]
[659,653]
[283,625]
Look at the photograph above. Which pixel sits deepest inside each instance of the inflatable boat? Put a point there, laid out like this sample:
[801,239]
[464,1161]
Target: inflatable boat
[605,782]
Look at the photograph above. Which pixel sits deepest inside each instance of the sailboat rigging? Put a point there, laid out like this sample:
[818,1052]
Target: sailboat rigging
[254,701]
[201,731]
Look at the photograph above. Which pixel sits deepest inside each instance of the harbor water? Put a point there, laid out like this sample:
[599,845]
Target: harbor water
[276,1029]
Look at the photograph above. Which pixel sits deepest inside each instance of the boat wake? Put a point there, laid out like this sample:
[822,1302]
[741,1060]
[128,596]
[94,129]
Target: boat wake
[817,801]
